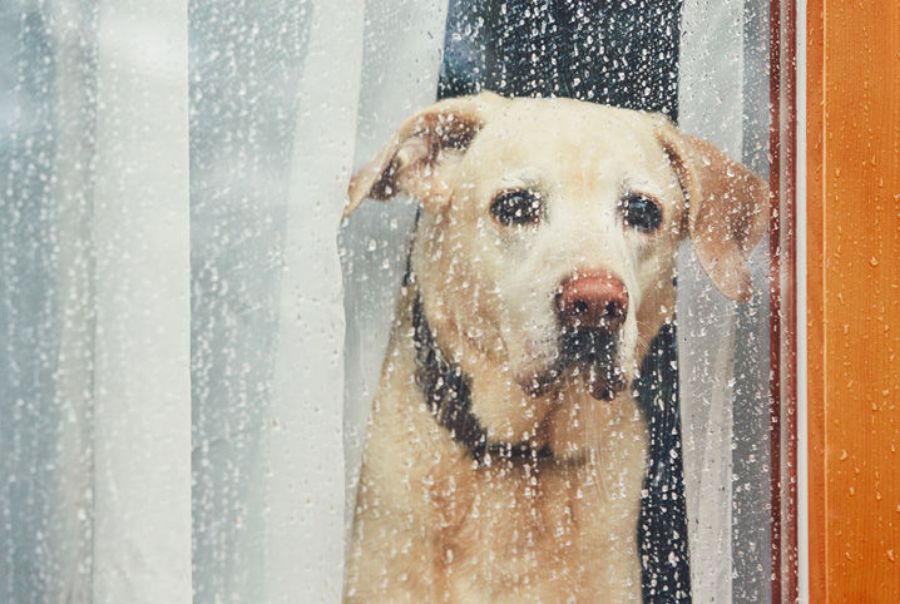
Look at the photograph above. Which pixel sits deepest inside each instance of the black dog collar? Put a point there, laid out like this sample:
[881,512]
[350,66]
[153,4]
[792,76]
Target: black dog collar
[448,396]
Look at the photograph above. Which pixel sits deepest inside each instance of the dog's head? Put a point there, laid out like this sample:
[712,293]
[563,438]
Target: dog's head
[546,245]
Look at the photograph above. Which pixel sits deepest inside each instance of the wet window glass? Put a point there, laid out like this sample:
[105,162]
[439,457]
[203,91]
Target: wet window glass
[443,301]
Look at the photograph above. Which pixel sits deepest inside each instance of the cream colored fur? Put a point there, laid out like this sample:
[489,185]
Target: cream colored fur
[431,525]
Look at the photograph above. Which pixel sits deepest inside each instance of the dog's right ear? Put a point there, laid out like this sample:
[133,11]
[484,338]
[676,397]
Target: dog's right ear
[416,159]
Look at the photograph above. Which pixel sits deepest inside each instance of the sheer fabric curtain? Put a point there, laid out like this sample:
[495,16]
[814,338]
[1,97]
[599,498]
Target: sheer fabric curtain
[248,61]
[711,96]
[304,471]
[164,249]
[141,369]
[723,347]
[95,286]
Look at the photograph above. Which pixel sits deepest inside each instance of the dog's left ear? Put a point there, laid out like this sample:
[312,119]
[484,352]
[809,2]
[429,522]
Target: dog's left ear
[727,210]
[416,159]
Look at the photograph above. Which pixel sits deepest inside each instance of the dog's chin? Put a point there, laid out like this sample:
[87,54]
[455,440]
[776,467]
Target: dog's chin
[586,359]
[602,380]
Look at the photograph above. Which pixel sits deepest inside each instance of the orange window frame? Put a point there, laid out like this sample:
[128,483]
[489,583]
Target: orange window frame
[853,299]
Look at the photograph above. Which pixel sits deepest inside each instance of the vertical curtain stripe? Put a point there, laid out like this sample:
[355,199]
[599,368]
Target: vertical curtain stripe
[142,490]
[304,469]
[710,106]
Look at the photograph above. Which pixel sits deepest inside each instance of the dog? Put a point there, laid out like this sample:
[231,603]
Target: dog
[505,454]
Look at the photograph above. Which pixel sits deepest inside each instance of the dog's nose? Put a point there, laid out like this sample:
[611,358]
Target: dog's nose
[592,299]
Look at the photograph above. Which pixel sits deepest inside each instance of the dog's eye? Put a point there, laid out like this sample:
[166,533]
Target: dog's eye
[641,213]
[518,207]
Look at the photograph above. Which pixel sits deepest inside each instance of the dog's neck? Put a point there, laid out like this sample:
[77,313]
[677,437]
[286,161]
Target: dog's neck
[447,392]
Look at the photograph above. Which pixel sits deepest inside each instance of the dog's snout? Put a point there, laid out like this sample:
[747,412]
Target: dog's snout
[592,299]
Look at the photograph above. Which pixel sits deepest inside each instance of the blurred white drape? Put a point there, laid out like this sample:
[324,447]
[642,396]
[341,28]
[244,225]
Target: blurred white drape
[305,489]
[141,365]
[723,97]
[711,106]
[110,508]
[113,419]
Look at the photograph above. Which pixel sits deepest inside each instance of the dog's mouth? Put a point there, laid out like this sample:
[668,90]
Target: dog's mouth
[584,353]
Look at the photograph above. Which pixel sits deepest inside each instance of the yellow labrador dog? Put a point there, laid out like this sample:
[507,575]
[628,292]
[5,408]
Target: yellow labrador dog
[506,452]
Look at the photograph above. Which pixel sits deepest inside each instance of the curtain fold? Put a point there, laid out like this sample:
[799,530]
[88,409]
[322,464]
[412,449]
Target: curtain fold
[246,66]
[141,365]
[41,542]
[95,389]
[73,26]
[711,103]
[723,348]
[304,467]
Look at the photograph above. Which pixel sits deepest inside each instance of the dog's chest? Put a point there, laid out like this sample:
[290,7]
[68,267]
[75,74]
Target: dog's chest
[545,534]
